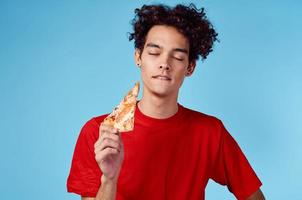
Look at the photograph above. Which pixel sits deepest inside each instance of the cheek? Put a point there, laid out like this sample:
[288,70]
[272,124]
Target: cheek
[181,72]
[180,77]
[145,74]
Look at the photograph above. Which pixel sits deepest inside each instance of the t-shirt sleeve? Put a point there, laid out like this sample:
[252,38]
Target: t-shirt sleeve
[232,168]
[85,175]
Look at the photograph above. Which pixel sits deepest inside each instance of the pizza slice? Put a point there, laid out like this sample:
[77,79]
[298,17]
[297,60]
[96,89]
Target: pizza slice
[122,117]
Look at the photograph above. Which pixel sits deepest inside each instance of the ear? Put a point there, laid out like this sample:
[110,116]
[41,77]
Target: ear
[137,57]
[191,68]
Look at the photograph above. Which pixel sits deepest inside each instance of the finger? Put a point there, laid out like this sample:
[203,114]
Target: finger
[107,135]
[97,143]
[102,128]
[108,143]
[110,129]
[106,127]
[97,151]
[105,153]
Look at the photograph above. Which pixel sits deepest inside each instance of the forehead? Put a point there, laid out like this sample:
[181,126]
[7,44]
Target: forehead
[167,37]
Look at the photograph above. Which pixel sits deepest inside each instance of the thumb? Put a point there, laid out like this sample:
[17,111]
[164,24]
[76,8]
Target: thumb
[100,129]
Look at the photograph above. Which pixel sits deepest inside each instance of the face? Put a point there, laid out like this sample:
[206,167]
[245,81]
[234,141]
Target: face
[164,61]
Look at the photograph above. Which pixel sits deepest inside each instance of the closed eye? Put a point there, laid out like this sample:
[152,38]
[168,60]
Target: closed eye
[154,54]
[179,59]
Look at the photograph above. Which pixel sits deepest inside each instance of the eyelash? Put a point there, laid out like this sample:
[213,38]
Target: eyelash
[179,59]
[156,54]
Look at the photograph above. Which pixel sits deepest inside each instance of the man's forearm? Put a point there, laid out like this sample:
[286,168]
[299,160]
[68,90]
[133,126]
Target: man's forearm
[107,190]
[258,195]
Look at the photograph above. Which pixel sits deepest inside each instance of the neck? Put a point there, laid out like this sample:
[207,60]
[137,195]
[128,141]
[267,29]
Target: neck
[158,107]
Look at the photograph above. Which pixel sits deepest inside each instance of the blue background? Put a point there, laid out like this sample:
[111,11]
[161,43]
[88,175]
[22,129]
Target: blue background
[63,62]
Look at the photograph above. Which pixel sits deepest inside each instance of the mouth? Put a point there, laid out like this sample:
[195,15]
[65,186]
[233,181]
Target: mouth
[162,77]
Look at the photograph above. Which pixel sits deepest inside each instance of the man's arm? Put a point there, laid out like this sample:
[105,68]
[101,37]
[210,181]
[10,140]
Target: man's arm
[109,154]
[258,195]
[107,190]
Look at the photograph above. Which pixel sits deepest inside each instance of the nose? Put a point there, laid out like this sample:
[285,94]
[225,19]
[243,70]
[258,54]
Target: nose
[164,66]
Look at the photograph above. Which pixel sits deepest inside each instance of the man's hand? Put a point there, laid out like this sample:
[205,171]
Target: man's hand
[258,195]
[109,152]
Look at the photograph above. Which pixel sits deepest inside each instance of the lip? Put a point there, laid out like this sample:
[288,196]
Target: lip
[162,77]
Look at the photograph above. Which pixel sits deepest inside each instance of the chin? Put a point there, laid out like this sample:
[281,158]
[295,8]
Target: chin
[158,90]
[161,92]
[158,94]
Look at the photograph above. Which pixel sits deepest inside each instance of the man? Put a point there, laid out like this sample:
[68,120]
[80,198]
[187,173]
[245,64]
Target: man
[173,151]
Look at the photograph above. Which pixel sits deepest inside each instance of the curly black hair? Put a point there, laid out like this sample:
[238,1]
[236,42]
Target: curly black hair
[188,20]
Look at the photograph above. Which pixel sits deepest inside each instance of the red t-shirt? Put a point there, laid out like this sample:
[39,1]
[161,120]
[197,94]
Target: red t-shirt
[166,159]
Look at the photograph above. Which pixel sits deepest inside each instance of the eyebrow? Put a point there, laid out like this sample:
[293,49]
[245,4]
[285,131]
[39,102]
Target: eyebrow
[159,47]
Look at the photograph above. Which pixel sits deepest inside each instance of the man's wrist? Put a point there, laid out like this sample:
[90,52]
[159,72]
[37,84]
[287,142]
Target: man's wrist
[107,190]
[108,181]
